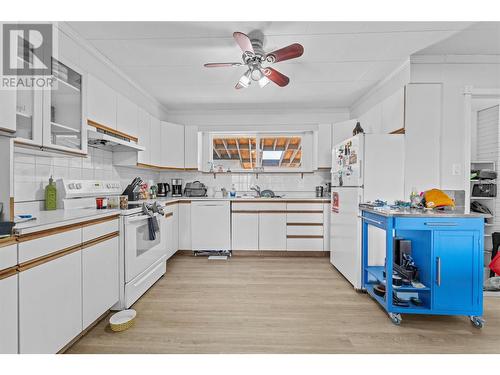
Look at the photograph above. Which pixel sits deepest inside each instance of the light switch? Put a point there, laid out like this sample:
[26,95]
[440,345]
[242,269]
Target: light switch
[456,169]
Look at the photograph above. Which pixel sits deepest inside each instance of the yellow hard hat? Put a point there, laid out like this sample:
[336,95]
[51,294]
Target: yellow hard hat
[437,198]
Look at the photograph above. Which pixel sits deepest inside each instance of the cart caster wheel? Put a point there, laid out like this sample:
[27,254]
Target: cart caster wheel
[395,318]
[477,321]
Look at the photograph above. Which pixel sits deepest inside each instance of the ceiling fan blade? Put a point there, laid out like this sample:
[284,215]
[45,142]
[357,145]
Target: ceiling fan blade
[220,65]
[286,53]
[239,86]
[243,41]
[275,76]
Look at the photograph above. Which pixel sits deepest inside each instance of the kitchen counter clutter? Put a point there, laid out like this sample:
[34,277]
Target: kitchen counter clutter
[435,260]
[420,213]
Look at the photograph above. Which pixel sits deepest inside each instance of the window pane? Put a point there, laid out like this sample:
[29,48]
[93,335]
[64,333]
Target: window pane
[281,151]
[234,152]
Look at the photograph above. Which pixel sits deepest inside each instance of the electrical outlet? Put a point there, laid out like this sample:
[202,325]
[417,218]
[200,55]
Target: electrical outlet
[456,170]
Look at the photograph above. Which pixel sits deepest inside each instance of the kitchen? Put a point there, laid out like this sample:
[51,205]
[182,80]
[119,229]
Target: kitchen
[149,205]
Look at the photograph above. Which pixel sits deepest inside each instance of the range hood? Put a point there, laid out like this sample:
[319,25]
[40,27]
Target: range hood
[108,141]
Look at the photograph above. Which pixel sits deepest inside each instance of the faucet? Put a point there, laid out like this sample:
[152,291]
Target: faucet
[256,188]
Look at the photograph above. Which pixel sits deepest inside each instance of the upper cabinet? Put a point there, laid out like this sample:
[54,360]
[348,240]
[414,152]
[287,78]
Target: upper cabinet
[172,145]
[101,103]
[191,147]
[155,142]
[126,116]
[324,146]
[144,136]
[64,109]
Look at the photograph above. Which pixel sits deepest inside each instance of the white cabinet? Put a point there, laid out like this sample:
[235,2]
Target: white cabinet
[50,304]
[422,137]
[101,102]
[8,115]
[156,142]
[144,135]
[8,314]
[371,120]
[191,147]
[126,116]
[172,153]
[324,146]
[245,231]
[341,131]
[210,225]
[272,231]
[184,222]
[100,279]
[171,229]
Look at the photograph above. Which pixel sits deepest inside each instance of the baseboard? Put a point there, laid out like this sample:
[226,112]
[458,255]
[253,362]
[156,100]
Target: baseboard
[267,253]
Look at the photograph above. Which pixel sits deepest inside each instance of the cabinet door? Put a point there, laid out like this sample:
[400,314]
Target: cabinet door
[245,231]
[175,228]
[155,141]
[184,226]
[324,146]
[172,136]
[63,110]
[168,232]
[393,112]
[126,116]
[272,231]
[191,147]
[8,315]
[101,102]
[50,304]
[100,279]
[456,270]
[144,135]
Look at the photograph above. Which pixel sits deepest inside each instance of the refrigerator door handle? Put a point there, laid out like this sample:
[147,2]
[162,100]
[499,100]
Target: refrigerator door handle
[360,169]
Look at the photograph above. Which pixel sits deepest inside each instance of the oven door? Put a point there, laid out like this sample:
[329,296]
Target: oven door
[140,251]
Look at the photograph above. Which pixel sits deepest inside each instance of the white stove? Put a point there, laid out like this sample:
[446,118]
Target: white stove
[142,260]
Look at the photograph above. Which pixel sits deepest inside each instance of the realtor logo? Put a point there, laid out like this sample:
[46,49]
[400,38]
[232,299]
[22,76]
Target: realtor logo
[27,49]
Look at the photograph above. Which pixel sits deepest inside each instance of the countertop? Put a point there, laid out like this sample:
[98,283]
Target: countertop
[51,219]
[422,213]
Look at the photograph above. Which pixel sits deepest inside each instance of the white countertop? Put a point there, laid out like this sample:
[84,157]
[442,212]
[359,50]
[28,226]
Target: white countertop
[51,219]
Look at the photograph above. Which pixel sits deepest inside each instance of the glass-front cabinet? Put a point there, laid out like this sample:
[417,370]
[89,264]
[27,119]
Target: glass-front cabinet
[29,116]
[63,108]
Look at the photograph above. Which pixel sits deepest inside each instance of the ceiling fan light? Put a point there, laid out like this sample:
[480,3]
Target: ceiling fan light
[263,81]
[245,79]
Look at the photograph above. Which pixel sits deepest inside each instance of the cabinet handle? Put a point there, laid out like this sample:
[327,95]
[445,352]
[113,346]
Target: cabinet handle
[443,224]
[438,271]
[373,221]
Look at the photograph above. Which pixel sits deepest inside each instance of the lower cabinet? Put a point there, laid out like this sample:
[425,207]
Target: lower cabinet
[50,304]
[170,229]
[272,231]
[245,231]
[184,223]
[100,279]
[8,315]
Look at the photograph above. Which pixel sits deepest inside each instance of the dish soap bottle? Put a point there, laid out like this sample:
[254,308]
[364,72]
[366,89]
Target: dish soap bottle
[51,195]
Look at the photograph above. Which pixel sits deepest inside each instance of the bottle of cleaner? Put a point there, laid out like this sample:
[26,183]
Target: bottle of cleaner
[51,195]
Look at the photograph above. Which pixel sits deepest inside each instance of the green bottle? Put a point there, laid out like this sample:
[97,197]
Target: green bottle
[51,195]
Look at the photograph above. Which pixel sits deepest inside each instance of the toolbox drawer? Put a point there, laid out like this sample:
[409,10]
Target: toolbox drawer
[431,223]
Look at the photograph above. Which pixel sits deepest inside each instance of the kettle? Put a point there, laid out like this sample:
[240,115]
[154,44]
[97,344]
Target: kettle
[163,189]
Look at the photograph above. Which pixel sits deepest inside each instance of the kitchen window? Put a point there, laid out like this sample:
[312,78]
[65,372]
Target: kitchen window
[261,152]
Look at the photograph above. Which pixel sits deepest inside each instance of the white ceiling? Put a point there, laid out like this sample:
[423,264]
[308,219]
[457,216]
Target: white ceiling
[341,61]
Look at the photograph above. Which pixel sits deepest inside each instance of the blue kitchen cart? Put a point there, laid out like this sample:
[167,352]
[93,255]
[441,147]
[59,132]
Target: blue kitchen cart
[446,248]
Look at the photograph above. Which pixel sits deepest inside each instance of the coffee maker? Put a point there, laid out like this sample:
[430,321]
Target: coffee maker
[163,189]
[176,187]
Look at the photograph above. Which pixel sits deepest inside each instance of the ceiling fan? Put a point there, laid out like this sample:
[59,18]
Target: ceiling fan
[254,56]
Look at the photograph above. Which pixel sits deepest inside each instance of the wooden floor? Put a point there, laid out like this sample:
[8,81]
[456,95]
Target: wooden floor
[278,305]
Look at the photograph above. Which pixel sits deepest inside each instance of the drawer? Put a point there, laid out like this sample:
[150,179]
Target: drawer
[431,223]
[311,217]
[39,247]
[307,230]
[304,244]
[258,206]
[8,256]
[93,231]
[304,207]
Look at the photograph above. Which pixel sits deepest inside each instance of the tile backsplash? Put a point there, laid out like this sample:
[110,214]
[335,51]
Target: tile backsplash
[31,175]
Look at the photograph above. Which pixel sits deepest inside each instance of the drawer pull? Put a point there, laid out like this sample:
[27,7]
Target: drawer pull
[438,271]
[373,221]
[442,224]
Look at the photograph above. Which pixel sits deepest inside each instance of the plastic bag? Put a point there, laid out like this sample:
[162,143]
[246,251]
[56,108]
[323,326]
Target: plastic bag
[492,284]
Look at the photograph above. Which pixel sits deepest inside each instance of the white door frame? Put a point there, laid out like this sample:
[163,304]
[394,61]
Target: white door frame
[471,93]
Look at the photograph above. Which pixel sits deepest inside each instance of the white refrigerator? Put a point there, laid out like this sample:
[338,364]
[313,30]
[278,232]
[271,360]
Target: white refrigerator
[364,168]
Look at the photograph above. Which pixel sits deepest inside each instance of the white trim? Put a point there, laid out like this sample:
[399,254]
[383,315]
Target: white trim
[455,59]
[70,32]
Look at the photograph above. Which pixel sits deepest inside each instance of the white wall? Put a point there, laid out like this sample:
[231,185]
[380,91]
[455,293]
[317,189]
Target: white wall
[454,77]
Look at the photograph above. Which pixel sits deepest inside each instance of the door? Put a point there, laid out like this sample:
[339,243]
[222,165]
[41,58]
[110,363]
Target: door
[210,225]
[184,219]
[245,231]
[456,268]
[140,250]
[63,110]
[100,279]
[345,233]
[272,231]
[50,304]
[8,315]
